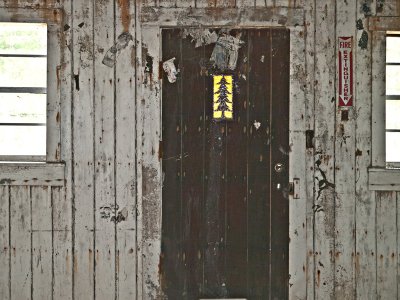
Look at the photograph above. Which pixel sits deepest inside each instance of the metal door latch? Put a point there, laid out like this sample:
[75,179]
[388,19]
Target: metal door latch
[294,188]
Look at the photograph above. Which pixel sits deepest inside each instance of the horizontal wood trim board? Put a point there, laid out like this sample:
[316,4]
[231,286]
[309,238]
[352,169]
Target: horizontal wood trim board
[381,179]
[383,23]
[44,174]
[279,16]
[45,15]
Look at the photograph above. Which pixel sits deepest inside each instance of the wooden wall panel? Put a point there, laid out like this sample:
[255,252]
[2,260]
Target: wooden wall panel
[125,180]
[386,241]
[42,242]
[105,206]
[83,150]
[21,243]
[344,212]
[325,107]
[365,235]
[5,252]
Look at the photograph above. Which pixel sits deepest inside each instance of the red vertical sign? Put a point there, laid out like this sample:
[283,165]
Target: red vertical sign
[345,71]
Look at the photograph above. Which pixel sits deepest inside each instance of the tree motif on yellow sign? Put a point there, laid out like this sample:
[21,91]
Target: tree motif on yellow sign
[223,97]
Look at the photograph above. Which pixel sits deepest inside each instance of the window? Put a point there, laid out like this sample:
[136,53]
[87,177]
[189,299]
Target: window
[393,99]
[23,80]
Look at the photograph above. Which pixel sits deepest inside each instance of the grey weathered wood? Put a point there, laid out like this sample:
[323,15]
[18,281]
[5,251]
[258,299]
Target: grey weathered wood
[324,199]
[83,151]
[388,8]
[104,143]
[383,23]
[32,174]
[344,212]
[386,227]
[297,207]
[365,261]
[280,16]
[378,99]
[125,180]
[4,243]
[20,241]
[42,266]
[62,244]
[382,179]
[149,204]
[14,14]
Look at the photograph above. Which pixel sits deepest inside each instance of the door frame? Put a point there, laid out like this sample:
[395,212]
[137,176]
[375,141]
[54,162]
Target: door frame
[149,23]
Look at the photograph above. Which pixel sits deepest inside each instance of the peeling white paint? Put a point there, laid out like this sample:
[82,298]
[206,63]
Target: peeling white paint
[201,36]
[170,69]
[257,125]
[262,58]
[121,43]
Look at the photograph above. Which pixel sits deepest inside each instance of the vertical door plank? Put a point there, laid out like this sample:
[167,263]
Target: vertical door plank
[214,197]
[297,168]
[150,168]
[104,143]
[344,172]
[171,249]
[365,259]
[386,230]
[83,150]
[62,242]
[279,110]
[20,215]
[258,156]
[236,189]
[324,202]
[42,266]
[193,96]
[125,185]
[5,250]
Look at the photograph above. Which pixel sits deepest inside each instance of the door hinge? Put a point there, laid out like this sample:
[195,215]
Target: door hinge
[294,188]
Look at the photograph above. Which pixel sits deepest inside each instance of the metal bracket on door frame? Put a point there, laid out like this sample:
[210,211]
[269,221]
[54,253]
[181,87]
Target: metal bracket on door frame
[294,188]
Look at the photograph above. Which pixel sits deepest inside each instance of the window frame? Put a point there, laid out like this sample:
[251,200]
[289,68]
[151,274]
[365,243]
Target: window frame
[381,175]
[49,171]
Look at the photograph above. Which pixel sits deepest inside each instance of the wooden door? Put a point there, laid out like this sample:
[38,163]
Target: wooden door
[225,183]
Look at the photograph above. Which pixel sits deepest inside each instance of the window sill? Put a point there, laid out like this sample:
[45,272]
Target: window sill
[48,174]
[382,179]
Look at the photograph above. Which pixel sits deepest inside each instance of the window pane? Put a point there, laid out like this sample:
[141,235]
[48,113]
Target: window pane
[23,38]
[23,140]
[392,80]
[22,108]
[23,71]
[392,49]
[393,146]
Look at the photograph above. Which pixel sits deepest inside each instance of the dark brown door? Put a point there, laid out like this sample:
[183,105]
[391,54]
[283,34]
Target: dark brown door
[225,182]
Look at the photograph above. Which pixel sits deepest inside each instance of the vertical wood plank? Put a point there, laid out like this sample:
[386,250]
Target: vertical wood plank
[104,145]
[378,98]
[150,205]
[42,266]
[236,180]
[297,168]
[171,248]
[309,179]
[225,3]
[83,151]
[280,149]
[4,243]
[62,244]
[125,180]
[324,201]
[63,197]
[386,230]
[245,3]
[344,171]
[365,259]
[193,96]
[205,3]
[387,7]
[258,156]
[21,272]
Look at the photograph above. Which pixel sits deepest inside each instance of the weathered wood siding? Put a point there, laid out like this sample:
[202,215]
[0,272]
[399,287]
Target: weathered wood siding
[98,236]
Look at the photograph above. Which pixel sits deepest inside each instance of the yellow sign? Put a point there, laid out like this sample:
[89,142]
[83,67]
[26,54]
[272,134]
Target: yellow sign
[223,97]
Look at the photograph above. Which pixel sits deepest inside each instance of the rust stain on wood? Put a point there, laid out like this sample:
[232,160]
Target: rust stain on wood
[125,15]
